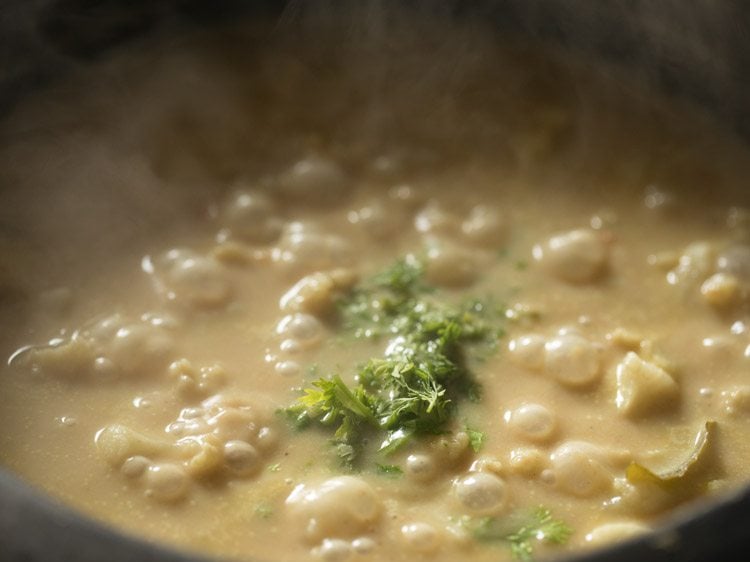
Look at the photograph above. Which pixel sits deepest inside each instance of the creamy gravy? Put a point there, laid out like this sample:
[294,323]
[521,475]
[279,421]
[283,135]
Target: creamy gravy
[155,226]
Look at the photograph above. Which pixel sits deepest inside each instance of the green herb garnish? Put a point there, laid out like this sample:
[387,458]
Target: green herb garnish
[389,470]
[541,527]
[413,389]
[476,439]
[373,307]
[263,511]
[544,528]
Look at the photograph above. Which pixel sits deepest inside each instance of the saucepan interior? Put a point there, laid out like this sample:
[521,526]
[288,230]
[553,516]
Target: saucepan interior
[408,71]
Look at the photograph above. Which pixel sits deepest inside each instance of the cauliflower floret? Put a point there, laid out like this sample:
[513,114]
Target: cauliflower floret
[222,438]
[315,293]
[112,348]
[644,388]
[189,279]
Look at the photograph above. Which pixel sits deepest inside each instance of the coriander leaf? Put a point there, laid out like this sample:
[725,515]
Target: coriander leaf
[414,388]
[390,470]
[263,511]
[476,439]
[405,277]
[395,440]
[539,527]
[543,528]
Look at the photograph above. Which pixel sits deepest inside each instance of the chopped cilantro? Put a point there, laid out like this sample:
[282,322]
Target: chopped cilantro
[390,470]
[413,389]
[263,511]
[274,467]
[372,307]
[540,527]
[476,439]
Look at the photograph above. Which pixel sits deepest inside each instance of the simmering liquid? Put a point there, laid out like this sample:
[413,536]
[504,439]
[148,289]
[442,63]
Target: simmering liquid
[186,228]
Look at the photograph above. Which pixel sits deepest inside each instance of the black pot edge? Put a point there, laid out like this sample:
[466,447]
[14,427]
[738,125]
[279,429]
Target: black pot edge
[36,527]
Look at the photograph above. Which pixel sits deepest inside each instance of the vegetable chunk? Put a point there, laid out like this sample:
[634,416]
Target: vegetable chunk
[644,388]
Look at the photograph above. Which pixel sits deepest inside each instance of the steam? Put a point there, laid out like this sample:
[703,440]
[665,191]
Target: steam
[126,145]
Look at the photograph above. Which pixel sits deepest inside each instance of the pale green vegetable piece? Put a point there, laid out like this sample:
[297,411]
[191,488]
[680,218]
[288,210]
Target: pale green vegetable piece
[682,473]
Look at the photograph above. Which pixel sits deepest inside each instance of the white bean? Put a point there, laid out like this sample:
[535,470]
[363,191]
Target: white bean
[484,227]
[433,219]
[450,265]
[721,289]
[288,368]
[481,493]
[528,351]
[363,545]
[345,506]
[251,216]
[420,537]
[135,466]
[578,469]
[615,531]
[420,467]
[735,260]
[303,249]
[573,360]
[166,482]
[533,422]
[301,327]
[377,220]
[333,550]
[314,180]
[241,457]
[578,256]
